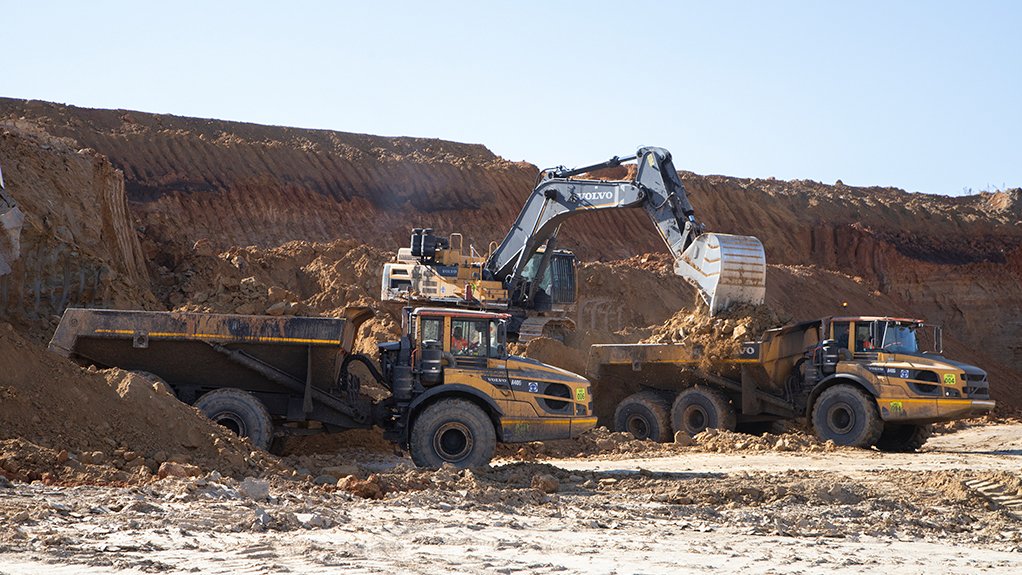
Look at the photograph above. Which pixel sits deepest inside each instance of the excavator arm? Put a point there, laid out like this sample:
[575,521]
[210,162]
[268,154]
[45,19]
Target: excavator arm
[726,269]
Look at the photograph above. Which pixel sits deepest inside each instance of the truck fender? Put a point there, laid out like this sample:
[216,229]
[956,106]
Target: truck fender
[835,379]
[451,389]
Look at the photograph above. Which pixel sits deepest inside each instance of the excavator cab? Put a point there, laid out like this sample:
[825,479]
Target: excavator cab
[556,289]
[11,220]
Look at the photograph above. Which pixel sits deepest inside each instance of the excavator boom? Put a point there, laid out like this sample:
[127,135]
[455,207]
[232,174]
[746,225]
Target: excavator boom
[526,275]
[11,220]
[726,269]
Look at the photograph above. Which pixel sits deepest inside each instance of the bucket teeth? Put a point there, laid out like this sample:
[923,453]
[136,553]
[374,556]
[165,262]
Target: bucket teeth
[726,269]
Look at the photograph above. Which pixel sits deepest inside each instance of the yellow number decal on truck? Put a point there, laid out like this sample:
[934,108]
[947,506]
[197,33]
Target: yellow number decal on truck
[580,394]
[949,379]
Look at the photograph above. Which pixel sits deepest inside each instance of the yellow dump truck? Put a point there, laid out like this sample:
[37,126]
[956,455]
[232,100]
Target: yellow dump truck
[860,381]
[453,389]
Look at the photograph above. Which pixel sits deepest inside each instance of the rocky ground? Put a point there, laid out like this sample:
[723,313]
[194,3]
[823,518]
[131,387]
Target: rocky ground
[715,506]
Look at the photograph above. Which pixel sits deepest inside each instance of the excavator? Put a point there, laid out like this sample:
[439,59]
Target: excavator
[527,276]
[11,220]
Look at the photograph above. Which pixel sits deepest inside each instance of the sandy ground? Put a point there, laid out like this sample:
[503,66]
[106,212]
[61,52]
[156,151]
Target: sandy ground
[846,511]
[989,448]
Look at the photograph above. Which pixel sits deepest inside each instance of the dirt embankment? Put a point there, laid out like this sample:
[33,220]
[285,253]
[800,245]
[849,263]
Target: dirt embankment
[127,209]
[79,244]
[957,261]
[60,423]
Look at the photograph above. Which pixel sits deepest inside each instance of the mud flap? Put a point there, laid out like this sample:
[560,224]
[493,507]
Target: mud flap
[726,269]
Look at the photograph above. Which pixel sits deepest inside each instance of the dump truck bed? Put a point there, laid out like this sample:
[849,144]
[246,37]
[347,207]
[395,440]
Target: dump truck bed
[619,370]
[290,363]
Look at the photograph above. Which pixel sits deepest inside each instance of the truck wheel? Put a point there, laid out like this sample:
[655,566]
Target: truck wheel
[646,415]
[240,412]
[845,415]
[700,408]
[903,438]
[452,431]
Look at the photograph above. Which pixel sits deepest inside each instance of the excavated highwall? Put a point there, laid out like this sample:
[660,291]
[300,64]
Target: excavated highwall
[78,245]
[953,260]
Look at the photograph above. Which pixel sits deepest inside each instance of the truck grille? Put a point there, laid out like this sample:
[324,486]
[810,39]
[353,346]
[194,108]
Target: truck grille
[976,386]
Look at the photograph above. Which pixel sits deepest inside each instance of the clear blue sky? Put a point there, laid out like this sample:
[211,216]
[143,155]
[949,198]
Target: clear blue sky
[926,96]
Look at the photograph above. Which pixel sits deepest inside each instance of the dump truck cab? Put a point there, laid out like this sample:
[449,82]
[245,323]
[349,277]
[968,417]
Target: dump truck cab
[899,361]
[459,358]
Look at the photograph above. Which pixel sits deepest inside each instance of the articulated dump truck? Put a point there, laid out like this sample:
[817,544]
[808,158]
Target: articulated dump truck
[859,381]
[453,389]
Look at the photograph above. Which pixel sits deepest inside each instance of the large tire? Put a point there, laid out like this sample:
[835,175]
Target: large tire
[903,438]
[846,415]
[700,408]
[454,431]
[240,412]
[646,415]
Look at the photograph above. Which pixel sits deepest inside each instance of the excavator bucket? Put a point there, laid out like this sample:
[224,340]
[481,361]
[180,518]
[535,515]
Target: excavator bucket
[11,220]
[726,269]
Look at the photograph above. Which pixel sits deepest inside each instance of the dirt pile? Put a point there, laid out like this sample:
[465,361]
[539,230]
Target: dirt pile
[716,338]
[723,441]
[554,352]
[616,299]
[78,244]
[601,443]
[296,278]
[61,423]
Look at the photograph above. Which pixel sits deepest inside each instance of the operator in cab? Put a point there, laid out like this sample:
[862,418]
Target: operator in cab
[459,344]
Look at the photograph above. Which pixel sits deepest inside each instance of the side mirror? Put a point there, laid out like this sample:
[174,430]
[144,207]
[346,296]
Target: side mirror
[938,338]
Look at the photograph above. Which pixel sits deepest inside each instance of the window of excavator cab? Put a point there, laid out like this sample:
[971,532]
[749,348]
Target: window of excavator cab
[470,337]
[864,337]
[530,272]
[900,338]
[431,329]
[841,334]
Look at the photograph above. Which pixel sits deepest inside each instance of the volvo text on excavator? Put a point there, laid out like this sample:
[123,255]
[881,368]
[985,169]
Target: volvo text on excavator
[526,275]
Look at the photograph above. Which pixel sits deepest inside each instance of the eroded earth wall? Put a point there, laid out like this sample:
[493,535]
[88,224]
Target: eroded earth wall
[79,245]
[957,261]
